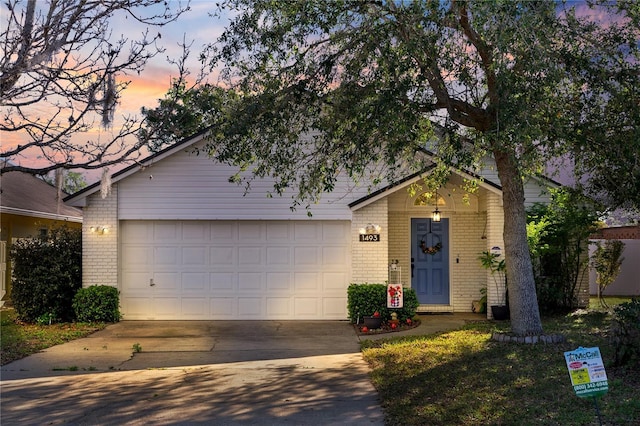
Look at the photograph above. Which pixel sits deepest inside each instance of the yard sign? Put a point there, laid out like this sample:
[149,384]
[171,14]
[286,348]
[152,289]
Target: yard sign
[588,377]
[394,296]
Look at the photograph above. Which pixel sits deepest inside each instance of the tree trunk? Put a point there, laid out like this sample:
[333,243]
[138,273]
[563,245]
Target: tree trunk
[523,302]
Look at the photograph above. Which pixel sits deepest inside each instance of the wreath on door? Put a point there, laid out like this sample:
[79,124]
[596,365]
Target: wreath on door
[430,249]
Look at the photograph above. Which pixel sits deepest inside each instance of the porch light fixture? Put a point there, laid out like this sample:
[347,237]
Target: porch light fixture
[99,230]
[436,213]
[371,228]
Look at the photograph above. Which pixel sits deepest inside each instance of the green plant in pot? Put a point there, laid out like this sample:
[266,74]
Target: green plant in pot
[489,260]
[480,306]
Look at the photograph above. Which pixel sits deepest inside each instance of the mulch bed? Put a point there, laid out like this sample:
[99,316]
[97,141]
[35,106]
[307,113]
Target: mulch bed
[386,328]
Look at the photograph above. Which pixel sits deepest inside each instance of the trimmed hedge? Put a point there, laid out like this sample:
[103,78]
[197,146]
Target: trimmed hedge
[365,299]
[98,303]
[47,272]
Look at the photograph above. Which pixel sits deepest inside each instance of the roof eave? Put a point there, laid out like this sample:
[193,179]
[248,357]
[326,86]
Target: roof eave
[41,215]
[78,199]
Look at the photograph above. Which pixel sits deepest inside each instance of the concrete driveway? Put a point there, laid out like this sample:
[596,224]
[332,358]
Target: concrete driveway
[202,372]
[190,372]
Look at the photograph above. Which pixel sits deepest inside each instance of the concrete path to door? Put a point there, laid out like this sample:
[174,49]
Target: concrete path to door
[201,372]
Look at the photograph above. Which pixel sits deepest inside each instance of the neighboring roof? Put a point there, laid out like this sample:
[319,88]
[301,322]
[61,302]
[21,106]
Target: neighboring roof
[26,195]
[631,232]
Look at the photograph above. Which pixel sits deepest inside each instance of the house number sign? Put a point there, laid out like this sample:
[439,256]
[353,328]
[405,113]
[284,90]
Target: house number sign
[370,238]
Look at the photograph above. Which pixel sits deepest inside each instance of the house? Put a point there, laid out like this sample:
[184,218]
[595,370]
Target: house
[29,207]
[183,243]
[627,282]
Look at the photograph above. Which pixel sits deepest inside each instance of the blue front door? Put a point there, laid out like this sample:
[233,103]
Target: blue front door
[430,261]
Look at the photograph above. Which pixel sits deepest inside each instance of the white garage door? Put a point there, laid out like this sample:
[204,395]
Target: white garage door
[196,270]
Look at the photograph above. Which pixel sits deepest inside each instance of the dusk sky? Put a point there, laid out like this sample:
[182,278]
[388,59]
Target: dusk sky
[196,27]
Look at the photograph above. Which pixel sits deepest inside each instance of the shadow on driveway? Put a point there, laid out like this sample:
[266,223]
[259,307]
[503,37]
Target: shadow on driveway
[197,372]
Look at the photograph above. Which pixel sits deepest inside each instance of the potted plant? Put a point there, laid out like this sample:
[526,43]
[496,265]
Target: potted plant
[480,306]
[497,267]
[374,321]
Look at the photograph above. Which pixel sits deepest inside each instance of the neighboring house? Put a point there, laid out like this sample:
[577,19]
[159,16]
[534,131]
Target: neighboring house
[628,281]
[184,243]
[29,207]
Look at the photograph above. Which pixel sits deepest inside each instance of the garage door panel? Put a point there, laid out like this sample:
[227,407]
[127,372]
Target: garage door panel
[250,307]
[278,232]
[278,307]
[195,255]
[334,281]
[167,307]
[306,232]
[166,231]
[165,256]
[234,269]
[196,231]
[223,308]
[334,256]
[222,281]
[306,307]
[305,281]
[251,231]
[278,281]
[333,232]
[166,282]
[223,231]
[195,282]
[194,308]
[137,256]
[250,281]
[136,308]
[250,256]
[306,256]
[223,256]
[136,280]
[278,256]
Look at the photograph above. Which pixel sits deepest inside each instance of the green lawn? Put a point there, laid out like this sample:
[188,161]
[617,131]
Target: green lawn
[464,378]
[18,339]
[455,378]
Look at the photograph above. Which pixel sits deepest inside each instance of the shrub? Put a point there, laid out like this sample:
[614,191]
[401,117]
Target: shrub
[607,261]
[47,272]
[625,332]
[365,299]
[558,234]
[98,303]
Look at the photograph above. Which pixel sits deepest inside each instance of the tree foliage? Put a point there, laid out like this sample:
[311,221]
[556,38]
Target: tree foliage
[186,111]
[558,240]
[62,73]
[356,87]
[69,182]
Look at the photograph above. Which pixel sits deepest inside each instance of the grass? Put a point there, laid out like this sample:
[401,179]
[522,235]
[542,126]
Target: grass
[18,340]
[464,378]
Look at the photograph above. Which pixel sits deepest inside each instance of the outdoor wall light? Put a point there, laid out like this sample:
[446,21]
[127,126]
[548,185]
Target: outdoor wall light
[371,228]
[99,229]
[436,216]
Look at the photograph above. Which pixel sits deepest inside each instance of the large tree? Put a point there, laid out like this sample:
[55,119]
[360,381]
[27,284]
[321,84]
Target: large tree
[374,82]
[62,72]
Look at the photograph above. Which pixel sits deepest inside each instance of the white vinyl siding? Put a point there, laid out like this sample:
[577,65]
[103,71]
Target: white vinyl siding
[189,187]
[215,270]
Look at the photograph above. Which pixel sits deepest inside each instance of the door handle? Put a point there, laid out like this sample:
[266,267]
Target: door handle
[151,283]
[412,266]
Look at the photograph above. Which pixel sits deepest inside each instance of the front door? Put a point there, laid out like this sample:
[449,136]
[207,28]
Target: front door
[430,261]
